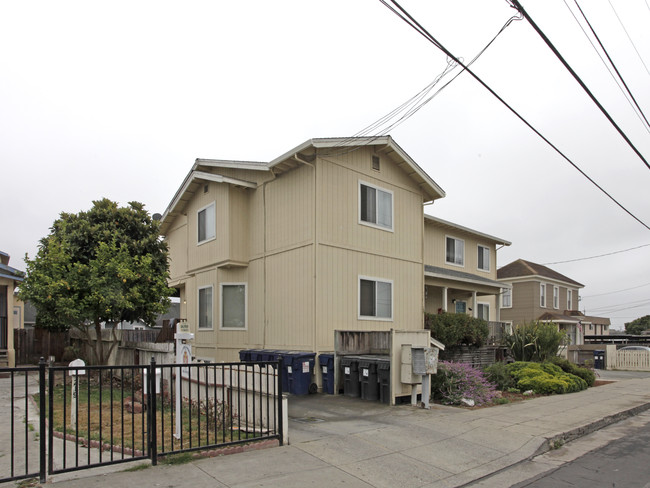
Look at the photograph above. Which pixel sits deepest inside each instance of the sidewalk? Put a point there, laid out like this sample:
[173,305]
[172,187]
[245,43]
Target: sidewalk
[337,440]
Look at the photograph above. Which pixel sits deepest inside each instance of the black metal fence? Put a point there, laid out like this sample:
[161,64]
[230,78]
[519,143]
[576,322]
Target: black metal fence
[93,416]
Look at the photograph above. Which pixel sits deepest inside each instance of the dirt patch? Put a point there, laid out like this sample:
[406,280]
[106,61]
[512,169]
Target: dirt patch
[602,382]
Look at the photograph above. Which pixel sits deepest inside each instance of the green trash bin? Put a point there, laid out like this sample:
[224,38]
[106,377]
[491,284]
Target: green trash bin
[383,376]
[350,366]
[368,378]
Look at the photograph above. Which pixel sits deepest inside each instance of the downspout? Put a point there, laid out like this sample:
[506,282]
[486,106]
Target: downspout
[315,252]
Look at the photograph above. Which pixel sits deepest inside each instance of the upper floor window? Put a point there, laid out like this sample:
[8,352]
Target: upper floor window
[569,299]
[375,206]
[556,297]
[455,251]
[484,258]
[506,297]
[206,221]
[375,298]
[542,295]
[205,307]
[233,305]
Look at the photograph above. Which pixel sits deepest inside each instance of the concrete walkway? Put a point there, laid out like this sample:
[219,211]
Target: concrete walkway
[336,440]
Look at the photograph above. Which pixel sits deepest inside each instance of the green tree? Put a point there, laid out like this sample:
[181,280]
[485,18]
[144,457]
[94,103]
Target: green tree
[104,265]
[637,326]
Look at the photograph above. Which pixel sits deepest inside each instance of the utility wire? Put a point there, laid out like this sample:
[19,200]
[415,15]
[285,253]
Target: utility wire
[628,36]
[617,291]
[406,17]
[598,256]
[521,10]
[638,110]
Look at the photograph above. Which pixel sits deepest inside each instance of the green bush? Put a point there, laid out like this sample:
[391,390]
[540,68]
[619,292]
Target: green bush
[568,367]
[498,374]
[457,329]
[544,378]
[535,341]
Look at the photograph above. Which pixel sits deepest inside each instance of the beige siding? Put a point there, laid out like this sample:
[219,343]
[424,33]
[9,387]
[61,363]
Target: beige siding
[525,303]
[290,209]
[216,250]
[338,203]
[338,292]
[238,228]
[435,250]
[177,242]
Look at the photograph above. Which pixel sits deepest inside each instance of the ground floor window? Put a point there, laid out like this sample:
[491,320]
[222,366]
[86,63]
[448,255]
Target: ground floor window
[233,306]
[375,298]
[205,307]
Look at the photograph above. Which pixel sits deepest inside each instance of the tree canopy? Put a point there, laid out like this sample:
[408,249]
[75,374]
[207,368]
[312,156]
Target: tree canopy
[637,326]
[104,265]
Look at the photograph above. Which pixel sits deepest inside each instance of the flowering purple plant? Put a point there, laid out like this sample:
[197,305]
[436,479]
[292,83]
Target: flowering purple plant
[457,381]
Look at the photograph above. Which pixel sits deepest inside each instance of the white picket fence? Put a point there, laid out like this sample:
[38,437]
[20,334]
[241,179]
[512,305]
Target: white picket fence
[630,360]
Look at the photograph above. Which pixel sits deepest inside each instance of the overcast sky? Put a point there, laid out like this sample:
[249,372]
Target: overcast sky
[117,99]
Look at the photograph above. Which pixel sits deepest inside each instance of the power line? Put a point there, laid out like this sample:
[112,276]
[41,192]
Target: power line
[628,36]
[617,291]
[406,17]
[638,111]
[521,9]
[598,256]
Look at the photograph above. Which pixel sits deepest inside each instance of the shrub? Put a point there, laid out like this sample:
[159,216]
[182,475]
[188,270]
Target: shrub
[456,381]
[545,378]
[498,374]
[535,341]
[568,367]
[457,329]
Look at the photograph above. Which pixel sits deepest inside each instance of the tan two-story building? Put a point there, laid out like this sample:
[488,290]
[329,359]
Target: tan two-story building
[329,236]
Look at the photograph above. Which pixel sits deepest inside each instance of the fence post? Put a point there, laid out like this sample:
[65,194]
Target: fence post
[153,428]
[42,390]
[280,411]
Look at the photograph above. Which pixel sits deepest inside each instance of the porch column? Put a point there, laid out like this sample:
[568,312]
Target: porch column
[497,308]
[474,305]
[444,298]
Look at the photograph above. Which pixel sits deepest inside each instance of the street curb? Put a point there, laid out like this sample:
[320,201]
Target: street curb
[560,439]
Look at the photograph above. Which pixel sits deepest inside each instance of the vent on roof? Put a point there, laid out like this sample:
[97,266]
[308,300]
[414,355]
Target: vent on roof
[375,163]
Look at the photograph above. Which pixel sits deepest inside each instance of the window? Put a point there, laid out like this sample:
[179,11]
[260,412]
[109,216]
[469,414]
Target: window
[483,311]
[375,206]
[506,297]
[556,297]
[455,251]
[375,299]
[569,299]
[205,307]
[206,223]
[483,258]
[461,307]
[542,295]
[233,306]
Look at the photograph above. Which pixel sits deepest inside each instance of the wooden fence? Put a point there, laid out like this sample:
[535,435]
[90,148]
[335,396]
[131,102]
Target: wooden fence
[33,344]
[629,360]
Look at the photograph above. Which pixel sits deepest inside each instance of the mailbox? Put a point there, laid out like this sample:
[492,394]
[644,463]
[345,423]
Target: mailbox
[424,360]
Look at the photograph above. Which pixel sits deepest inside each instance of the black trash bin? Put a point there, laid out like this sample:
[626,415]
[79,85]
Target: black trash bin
[368,378]
[383,376]
[599,359]
[245,355]
[326,362]
[350,365]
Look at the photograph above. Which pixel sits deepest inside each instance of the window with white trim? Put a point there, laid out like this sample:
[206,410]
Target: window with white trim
[556,297]
[483,311]
[542,295]
[483,258]
[375,298]
[233,305]
[506,297]
[205,307]
[206,224]
[569,299]
[455,251]
[375,206]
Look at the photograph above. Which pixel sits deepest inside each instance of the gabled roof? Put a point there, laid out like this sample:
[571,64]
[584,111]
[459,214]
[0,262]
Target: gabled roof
[7,271]
[450,225]
[304,153]
[521,268]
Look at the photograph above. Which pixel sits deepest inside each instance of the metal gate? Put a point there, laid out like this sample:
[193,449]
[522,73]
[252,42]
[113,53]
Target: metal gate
[90,416]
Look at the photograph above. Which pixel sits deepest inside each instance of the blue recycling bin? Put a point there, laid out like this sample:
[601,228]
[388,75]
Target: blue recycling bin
[245,355]
[326,362]
[599,359]
[300,366]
